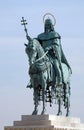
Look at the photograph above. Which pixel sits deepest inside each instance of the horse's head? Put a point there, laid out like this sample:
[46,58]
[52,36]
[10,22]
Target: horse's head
[31,50]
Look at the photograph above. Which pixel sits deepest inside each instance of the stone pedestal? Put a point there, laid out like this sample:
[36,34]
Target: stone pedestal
[46,122]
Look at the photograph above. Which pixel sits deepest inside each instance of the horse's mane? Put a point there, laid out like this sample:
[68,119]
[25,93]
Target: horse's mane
[38,46]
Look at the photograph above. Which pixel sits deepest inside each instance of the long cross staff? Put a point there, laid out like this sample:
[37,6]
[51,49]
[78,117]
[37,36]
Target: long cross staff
[23,22]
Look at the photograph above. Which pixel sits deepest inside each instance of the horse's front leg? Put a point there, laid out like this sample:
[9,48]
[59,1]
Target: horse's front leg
[35,112]
[59,106]
[67,100]
[68,106]
[44,96]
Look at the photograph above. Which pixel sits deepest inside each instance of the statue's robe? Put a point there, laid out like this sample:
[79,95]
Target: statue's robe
[50,39]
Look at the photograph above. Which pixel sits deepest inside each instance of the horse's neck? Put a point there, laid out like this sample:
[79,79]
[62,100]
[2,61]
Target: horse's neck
[40,51]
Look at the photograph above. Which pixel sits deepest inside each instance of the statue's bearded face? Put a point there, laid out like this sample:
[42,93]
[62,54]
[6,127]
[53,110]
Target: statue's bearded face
[48,25]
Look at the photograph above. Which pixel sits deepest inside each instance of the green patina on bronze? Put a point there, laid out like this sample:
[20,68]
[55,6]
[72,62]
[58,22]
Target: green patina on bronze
[49,69]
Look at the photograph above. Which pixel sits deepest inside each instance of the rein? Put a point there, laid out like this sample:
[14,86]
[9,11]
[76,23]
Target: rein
[39,69]
[41,57]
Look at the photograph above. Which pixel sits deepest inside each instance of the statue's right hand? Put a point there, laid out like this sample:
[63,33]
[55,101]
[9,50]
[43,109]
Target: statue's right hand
[48,48]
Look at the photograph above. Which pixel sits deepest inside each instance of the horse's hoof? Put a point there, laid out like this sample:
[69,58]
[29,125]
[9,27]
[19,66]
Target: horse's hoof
[67,114]
[59,113]
[43,112]
[35,112]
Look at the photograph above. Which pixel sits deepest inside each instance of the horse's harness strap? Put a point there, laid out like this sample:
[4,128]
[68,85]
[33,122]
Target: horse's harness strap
[41,68]
[41,57]
[38,70]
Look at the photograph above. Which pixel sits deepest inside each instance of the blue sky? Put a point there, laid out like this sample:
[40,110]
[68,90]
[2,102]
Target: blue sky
[15,99]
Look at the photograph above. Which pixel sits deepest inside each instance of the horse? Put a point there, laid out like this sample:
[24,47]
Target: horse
[39,71]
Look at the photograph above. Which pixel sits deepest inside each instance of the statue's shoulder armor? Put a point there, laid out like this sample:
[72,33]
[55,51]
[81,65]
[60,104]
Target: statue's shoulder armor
[49,36]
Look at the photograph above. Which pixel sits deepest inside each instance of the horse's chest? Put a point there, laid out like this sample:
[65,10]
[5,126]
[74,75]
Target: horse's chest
[38,68]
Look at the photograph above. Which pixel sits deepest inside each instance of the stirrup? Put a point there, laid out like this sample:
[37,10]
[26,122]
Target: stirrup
[59,84]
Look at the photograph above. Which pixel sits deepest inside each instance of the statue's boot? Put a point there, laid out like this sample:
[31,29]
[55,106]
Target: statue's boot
[29,86]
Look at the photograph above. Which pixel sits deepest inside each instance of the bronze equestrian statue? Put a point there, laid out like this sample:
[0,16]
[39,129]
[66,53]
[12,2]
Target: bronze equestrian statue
[49,69]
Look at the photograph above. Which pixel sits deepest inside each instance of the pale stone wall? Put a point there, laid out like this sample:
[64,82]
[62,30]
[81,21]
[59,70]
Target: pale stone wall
[46,122]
